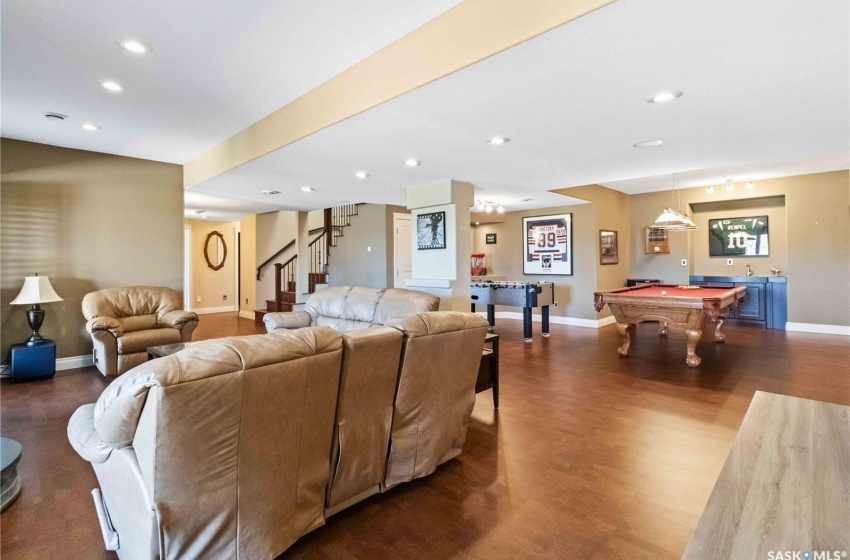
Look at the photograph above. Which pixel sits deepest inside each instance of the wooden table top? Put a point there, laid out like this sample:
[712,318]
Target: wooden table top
[785,485]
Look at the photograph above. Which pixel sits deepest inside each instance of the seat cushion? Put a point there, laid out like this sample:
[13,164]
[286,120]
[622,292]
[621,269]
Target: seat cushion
[140,341]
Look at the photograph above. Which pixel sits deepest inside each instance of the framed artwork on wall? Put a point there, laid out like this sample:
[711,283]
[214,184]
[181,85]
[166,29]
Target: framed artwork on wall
[656,240]
[608,249]
[548,244]
[738,237]
[490,238]
[431,231]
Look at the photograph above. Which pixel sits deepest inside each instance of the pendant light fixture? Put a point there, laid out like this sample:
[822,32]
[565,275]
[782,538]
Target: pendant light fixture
[674,220]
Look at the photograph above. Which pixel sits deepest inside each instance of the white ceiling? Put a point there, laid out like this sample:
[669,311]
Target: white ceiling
[766,82]
[766,94]
[221,208]
[216,67]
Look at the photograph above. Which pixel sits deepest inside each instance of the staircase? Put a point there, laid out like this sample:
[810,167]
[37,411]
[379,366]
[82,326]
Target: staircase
[335,221]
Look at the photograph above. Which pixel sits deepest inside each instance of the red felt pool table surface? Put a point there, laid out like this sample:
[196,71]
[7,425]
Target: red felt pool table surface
[673,291]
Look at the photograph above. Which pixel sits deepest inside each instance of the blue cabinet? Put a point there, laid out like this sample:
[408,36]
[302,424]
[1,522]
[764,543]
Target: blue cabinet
[766,301]
[33,361]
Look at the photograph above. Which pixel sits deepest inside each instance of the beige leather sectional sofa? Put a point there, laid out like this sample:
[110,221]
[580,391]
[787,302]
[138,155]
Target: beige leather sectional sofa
[235,448]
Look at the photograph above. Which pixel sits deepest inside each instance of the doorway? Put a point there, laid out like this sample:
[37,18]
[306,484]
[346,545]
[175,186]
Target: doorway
[187,268]
[402,249]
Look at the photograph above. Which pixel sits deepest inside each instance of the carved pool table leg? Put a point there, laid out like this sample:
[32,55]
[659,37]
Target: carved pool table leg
[663,330]
[623,329]
[719,336]
[693,337]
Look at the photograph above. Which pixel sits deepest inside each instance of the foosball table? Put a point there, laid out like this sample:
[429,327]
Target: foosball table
[527,295]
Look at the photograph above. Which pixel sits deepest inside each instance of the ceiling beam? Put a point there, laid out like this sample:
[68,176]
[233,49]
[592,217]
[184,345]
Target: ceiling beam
[466,34]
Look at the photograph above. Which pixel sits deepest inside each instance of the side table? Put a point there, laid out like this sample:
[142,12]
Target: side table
[33,361]
[166,350]
[488,371]
[10,483]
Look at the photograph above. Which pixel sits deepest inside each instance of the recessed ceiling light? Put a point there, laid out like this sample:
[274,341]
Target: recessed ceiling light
[307,189]
[361,175]
[648,144]
[477,223]
[111,85]
[91,127]
[55,116]
[664,97]
[496,140]
[500,209]
[135,46]
[749,185]
[412,162]
[729,186]
[271,192]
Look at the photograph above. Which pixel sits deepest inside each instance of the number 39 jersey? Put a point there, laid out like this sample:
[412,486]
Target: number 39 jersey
[547,238]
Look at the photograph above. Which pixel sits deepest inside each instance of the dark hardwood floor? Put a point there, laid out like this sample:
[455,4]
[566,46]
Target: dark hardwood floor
[590,455]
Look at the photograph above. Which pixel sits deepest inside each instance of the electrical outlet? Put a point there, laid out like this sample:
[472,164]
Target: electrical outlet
[684,262]
[246,301]
[224,297]
[199,299]
[368,249]
[556,305]
[730,262]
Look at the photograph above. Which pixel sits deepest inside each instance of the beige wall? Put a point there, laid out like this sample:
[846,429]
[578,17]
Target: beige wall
[88,221]
[573,293]
[216,288]
[351,263]
[815,232]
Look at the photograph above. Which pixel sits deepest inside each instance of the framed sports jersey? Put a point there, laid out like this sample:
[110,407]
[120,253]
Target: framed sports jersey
[548,244]
[738,237]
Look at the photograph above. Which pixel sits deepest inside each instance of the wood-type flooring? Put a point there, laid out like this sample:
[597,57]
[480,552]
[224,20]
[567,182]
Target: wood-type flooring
[590,455]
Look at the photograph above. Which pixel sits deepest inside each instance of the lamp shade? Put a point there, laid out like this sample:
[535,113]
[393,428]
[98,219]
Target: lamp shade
[37,289]
[673,220]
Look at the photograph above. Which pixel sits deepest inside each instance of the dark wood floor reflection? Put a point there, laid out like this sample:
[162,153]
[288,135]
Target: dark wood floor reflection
[590,456]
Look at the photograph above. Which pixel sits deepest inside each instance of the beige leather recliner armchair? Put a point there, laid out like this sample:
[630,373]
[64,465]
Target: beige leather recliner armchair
[220,451]
[125,322]
[347,308]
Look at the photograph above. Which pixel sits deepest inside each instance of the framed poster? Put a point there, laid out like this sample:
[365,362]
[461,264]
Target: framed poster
[431,231]
[548,246]
[490,238]
[738,237]
[656,240]
[608,249]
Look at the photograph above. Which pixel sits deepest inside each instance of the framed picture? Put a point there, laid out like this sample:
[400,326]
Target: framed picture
[490,238]
[548,246]
[738,237]
[656,240]
[431,231]
[608,249]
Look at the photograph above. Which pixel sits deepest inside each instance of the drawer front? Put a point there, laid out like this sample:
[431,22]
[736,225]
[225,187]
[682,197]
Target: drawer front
[753,306]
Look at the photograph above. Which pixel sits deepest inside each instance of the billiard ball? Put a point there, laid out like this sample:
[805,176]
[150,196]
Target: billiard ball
[663,292]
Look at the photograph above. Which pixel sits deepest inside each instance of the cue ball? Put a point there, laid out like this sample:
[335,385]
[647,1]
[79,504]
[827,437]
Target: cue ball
[663,292]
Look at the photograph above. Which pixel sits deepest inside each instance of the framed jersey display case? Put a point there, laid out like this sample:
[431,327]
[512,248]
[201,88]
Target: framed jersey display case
[548,244]
[738,237]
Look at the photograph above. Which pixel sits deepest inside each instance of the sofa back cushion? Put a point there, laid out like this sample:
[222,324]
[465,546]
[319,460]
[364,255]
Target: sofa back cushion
[398,302]
[131,301]
[344,308]
[441,354]
[136,323]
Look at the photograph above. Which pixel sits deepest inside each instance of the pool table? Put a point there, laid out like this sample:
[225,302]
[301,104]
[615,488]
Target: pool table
[686,307]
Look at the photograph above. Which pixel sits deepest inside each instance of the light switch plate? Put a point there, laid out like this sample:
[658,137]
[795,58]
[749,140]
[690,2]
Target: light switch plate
[684,262]
[368,249]
[729,262]
[198,299]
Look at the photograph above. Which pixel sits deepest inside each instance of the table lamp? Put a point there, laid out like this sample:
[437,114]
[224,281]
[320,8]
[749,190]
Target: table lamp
[36,290]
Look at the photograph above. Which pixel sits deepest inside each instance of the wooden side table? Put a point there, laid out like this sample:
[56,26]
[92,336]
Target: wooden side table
[488,371]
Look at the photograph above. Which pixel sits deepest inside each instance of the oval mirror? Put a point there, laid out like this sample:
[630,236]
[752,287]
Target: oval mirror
[215,251]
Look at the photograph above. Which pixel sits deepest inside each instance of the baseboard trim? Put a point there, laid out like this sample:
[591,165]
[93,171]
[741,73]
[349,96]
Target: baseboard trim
[555,319]
[74,362]
[208,310]
[819,329]
[247,315]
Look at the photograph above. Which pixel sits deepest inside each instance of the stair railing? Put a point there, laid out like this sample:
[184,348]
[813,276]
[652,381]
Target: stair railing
[284,281]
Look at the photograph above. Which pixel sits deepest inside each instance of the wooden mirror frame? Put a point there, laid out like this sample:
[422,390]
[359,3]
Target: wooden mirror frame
[210,235]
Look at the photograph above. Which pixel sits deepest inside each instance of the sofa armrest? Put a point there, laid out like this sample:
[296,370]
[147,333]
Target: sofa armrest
[177,319]
[84,437]
[104,323]
[288,320]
